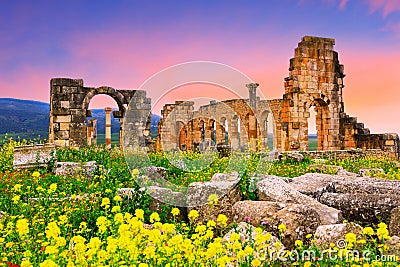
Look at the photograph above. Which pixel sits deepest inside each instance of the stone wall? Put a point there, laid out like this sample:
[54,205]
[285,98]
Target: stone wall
[33,156]
[351,153]
[315,81]
[69,103]
[231,122]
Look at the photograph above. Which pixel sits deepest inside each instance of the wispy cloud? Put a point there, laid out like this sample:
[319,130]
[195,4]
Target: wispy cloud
[343,4]
[384,6]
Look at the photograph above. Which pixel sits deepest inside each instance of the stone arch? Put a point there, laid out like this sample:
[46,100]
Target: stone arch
[181,135]
[105,90]
[323,121]
[69,103]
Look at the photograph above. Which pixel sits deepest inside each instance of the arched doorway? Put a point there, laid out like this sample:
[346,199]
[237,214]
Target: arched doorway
[97,124]
[319,113]
[181,135]
[69,109]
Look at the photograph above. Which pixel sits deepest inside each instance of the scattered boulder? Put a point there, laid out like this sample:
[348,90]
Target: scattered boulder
[179,164]
[299,220]
[335,233]
[371,208]
[127,192]
[167,197]
[374,172]
[248,234]
[273,188]
[31,156]
[153,176]
[157,172]
[74,168]
[315,184]
[274,155]
[256,212]
[394,225]
[393,245]
[223,187]
[297,157]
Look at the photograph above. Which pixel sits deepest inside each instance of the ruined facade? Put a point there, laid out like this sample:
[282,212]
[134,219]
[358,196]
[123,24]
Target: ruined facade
[69,103]
[238,123]
[315,81]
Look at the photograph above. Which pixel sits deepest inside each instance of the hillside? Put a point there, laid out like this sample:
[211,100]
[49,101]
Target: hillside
[29,118]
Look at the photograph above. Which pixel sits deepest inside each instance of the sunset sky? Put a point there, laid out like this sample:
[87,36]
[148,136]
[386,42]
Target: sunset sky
[123,43]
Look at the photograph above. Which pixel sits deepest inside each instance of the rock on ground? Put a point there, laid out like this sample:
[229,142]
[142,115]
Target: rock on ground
[74,168]
[248,234]
[335,233]
[225,186]
[315,184]
[393,246]
[371,172]
[299,220]
[394,225]
[370,208]
[167,197]
[297,157]
[273,188]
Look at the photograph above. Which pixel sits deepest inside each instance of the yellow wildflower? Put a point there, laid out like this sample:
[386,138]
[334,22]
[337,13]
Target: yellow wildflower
[175,211]
[193,215]
[368,231]
[154,217]
[222,220]
[282,228]
[139,213]
[22,227]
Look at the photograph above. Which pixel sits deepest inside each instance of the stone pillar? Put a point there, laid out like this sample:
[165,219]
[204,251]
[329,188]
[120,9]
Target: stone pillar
[121,128]
[252,131]
[108,126]
[252,95]
[89,133]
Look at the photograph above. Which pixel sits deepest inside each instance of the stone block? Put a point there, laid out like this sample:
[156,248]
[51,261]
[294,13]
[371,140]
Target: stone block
[64,126]
[33,156]
[66,118]
[389,143]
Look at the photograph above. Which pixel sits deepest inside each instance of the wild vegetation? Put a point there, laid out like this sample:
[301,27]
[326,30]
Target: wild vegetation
[54,220]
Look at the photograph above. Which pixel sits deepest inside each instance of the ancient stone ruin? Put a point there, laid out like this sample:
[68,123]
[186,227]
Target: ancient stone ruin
[315,81]
[231,122]
[69,103]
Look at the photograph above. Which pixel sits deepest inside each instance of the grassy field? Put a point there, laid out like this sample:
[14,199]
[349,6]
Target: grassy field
[81,221]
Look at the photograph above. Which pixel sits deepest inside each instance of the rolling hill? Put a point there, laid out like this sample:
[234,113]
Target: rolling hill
[28,118]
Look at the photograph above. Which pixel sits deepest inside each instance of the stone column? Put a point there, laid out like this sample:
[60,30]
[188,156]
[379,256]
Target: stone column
[108,126]
[89,133]
[252,131]
[121,130]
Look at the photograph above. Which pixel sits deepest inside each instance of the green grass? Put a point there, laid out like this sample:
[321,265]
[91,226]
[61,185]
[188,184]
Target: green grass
[17,186]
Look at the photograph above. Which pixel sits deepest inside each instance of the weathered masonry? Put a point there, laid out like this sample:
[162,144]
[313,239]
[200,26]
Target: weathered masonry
[315,81]
[69,103]
[238,123]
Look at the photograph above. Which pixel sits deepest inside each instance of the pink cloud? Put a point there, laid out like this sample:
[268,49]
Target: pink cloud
[343,4]
[385,6]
